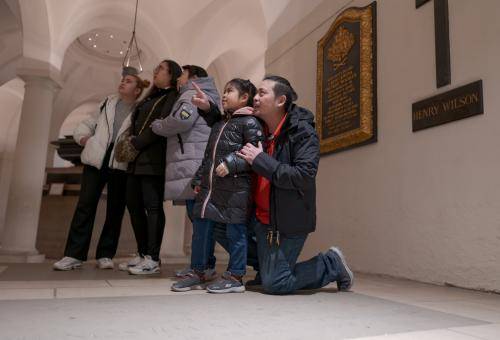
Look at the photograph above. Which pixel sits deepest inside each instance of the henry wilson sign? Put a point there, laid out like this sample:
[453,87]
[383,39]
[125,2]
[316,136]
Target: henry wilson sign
[346,81]
[459,103]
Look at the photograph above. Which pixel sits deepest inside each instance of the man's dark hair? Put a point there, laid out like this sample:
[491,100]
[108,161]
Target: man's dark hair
[195,71]
[244,86]
[282,87]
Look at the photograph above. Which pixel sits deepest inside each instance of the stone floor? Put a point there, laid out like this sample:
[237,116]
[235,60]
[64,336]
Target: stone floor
[38,303]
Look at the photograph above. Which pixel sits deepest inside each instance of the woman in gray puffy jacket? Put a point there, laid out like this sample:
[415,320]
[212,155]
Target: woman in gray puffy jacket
[187,135]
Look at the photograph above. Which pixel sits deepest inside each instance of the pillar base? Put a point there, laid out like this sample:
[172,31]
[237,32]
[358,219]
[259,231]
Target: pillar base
[21,257]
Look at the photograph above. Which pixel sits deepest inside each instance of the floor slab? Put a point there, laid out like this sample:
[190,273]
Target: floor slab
[440,334]
[486,332]
[26,294]
[320,315]
[109,304]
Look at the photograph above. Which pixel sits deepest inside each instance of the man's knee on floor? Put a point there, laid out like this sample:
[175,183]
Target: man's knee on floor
[276,286]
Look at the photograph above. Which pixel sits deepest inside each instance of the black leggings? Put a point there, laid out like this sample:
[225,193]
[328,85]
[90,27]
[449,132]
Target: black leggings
[80,233]
[145,205]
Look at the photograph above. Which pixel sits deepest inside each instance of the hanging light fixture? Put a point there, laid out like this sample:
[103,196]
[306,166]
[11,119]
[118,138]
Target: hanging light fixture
[132,45]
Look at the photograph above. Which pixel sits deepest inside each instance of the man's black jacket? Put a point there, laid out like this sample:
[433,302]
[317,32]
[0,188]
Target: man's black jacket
[292,172]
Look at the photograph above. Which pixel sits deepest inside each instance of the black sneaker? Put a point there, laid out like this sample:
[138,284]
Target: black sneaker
[346,276]
[227,284]
[256,281]
[190,281]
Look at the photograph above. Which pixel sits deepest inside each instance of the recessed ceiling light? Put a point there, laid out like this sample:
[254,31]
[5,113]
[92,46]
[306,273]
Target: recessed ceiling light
[111,36]
[90,39]
[94,45]
[121,52]
[97,34]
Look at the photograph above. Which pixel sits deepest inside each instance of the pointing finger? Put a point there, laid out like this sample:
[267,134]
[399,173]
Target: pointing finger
[198,90]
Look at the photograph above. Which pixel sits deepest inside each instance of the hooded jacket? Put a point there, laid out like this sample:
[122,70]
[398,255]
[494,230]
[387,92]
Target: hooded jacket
[292,172]
[227,199]
[187,135]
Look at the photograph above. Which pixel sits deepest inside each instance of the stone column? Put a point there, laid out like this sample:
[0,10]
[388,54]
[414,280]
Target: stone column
[25,193]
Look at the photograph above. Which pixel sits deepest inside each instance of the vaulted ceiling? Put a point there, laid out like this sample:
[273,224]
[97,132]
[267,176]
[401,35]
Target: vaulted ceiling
[86,39]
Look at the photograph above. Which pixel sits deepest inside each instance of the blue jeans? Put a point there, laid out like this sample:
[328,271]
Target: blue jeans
[237,237]
[279,270]
[220,235]
[202,241]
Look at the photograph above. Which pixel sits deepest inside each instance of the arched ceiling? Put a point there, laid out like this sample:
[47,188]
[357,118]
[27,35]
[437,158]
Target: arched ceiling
[229,37]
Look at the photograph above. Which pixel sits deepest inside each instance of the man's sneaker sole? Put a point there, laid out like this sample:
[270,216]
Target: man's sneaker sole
[187,289]
[349,271]
[74,266]
[240,289]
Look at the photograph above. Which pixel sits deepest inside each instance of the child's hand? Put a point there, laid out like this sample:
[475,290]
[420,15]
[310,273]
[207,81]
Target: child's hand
[197,189]
[222,170]
[200,99]
[156,125]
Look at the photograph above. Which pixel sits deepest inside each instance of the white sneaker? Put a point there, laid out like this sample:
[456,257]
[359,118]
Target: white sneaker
[105,263]
[146,267]
[67,263]
[131,263]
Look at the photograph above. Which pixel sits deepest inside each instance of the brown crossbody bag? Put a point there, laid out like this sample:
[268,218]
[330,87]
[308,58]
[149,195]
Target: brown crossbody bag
[125,152]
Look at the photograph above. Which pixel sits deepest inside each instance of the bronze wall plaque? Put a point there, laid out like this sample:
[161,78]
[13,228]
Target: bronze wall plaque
[459,103]
[346,99]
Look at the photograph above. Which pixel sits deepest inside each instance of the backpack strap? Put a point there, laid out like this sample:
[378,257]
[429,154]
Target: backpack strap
[103,106]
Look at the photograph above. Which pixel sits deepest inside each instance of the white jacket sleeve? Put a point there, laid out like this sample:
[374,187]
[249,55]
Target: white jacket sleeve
[86,128]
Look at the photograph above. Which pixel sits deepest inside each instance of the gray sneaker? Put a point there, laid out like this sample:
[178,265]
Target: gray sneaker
[182,272]
[227,284]
[210,273]
[190,281]
[147,267]
[130,263]
[346,276]
[67,263]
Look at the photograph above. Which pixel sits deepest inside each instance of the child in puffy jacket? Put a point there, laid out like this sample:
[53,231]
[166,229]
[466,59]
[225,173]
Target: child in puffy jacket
[224,187]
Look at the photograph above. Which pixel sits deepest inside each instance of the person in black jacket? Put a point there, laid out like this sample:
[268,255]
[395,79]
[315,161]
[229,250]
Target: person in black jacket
[224,186]
[146,177]
[285,196]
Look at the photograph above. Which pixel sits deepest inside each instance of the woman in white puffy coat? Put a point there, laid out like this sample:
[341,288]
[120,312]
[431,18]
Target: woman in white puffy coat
[98,136]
